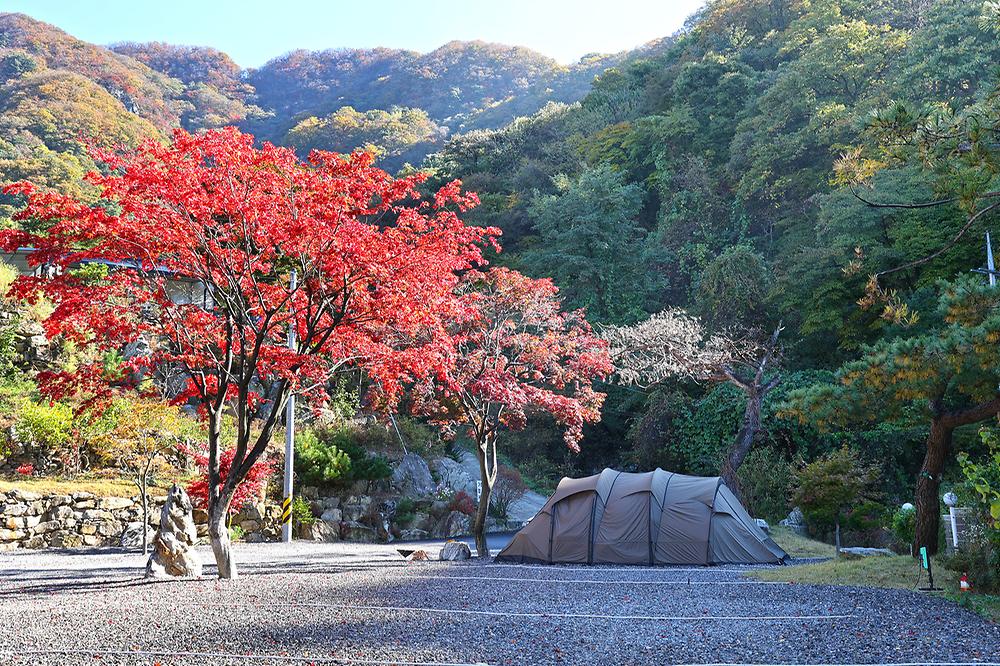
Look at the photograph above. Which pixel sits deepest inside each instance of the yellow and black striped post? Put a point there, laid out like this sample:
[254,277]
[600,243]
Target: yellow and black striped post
[286,511]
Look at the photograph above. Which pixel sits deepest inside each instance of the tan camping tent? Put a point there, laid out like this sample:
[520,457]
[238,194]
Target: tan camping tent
[651,518]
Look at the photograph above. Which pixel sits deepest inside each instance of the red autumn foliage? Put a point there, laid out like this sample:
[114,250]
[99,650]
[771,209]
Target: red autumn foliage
[463,503]
[27,469]
[517,352]
[250,489]
[377,271]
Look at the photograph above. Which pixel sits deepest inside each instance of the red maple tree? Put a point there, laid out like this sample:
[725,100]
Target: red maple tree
[377,271]
[516,352]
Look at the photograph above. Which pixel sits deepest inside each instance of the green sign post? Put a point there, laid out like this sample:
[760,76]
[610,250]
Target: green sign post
[925,561]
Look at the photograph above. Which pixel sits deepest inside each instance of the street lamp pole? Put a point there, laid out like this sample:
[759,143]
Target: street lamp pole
[286,504]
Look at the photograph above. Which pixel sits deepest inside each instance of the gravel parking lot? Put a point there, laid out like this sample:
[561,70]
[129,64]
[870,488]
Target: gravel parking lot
[341,603]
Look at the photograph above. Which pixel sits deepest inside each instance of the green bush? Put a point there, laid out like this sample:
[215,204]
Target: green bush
[319,462]
[301,512]
[335,455]
[904,525]
[764,478]
[44,427]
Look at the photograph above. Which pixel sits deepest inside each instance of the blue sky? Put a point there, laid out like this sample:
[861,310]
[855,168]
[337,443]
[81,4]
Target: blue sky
[254,31]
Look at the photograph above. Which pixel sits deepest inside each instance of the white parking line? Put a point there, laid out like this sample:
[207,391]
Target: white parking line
[586,616]
[583,581]
[242,657]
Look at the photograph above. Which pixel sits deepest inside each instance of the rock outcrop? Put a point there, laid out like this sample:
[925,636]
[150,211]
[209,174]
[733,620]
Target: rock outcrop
[412,477]
[173,548]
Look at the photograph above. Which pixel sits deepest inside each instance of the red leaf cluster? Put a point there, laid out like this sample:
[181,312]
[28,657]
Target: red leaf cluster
[515,351]
[228,221]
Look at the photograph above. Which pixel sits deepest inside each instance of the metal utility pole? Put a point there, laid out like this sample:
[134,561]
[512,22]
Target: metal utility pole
[286,504]
[990,270]
[989,261]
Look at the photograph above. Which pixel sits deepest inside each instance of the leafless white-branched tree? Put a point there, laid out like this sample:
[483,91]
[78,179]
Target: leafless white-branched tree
[676,345]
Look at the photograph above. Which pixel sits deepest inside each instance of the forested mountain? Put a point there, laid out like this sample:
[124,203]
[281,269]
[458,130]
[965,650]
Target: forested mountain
[706,177]
[57,89]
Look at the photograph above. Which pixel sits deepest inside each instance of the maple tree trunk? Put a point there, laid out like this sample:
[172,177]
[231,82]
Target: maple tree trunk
[145,518]
[487,477]
[218,536]
[744,441]
[926,494]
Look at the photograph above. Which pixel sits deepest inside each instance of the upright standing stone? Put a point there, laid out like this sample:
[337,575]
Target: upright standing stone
[173,547]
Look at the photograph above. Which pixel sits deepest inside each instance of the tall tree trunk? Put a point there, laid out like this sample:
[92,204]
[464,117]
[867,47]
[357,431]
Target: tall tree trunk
[488,476]
[218,536]
[744,439]
[145,517]
[836,538]
[755,389]
[926,494]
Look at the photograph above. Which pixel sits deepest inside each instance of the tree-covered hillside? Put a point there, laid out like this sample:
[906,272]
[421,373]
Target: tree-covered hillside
[714,176]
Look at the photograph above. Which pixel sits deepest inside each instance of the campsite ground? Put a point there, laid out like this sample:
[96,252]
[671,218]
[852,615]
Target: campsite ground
[333,603]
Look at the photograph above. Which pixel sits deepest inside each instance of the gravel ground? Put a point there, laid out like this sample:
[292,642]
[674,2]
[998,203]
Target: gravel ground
[340,603]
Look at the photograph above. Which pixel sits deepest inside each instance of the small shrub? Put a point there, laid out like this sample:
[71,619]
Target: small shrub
[319,463]
[509,488]
[301,512]
[904,525]
[45,427]
[236,533]
[830,486]
[27,469]
[764,478]
[463,503]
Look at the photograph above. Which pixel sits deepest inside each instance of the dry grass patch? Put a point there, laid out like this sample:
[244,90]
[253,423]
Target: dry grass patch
[102,487]
[797,545]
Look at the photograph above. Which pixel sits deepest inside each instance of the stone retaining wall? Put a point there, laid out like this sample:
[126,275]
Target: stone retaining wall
[32,520]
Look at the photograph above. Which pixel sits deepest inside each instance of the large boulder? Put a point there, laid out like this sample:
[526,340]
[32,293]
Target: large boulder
[455,550]
[173,548]
[412,476]
[454,475]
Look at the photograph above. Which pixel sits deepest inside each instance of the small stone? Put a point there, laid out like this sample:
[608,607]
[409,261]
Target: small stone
[47,526]
[455,550]
[250,526]
[114,503]
[32,521]
[332,515]
[24,495]
[82,496]
[14,509]
[85,504]
[132,536]
[60,512]
[91,540]
[200,516]
[11,535]
[88,528]
[96,514]
[66,540]
[14,523]
[762,524]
